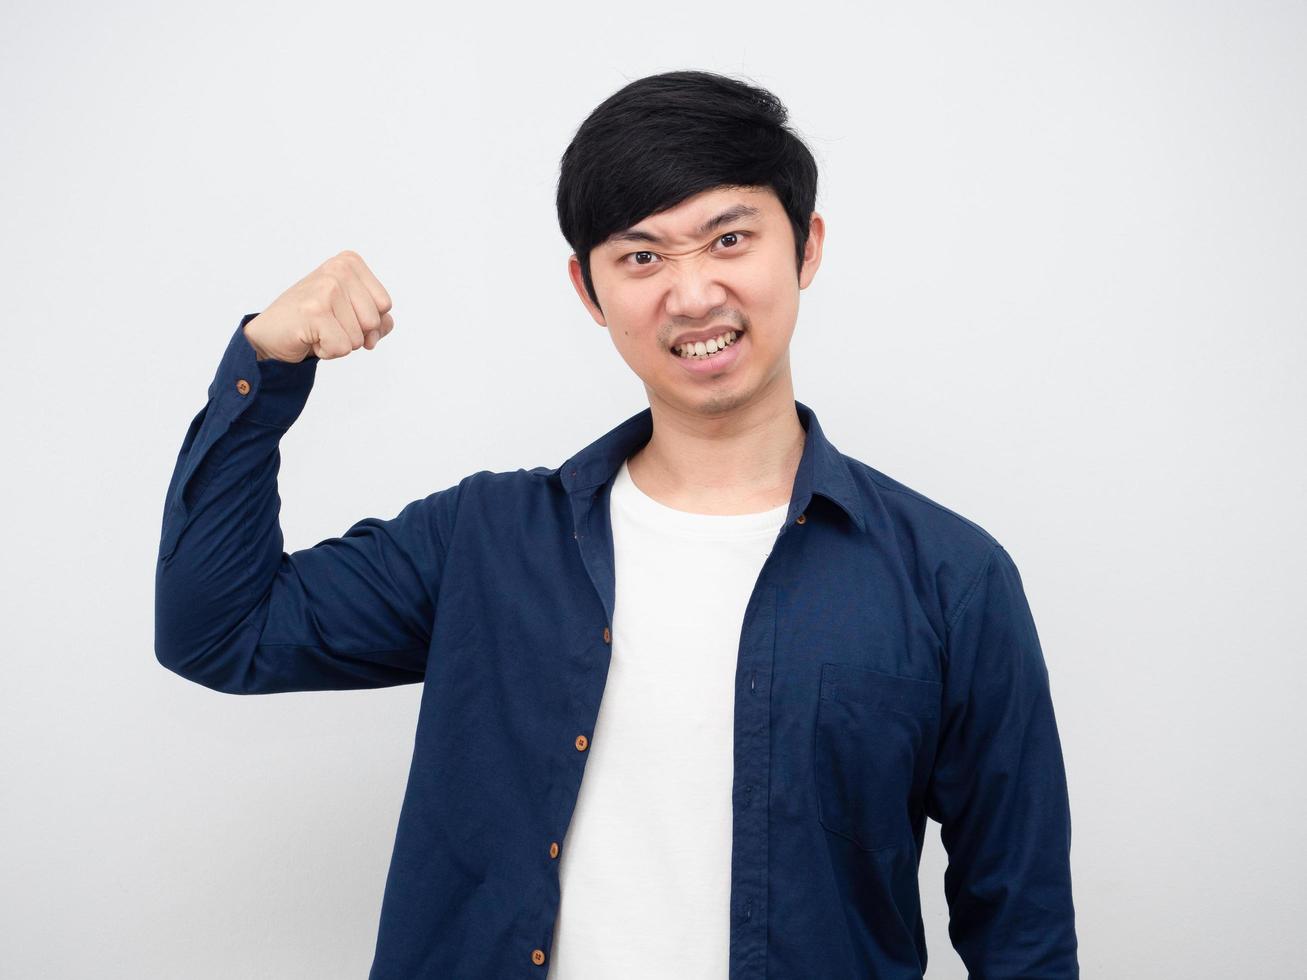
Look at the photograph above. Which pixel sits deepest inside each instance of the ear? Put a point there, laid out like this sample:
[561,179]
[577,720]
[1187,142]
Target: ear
[812,249]
[578,283]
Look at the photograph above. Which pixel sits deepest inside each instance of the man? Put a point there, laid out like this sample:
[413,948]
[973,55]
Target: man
[770,661]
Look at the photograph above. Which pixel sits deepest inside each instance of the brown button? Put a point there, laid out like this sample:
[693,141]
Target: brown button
[553,849]
[537,956]
[800,519]
[243,386]
[608,636]
[581,743]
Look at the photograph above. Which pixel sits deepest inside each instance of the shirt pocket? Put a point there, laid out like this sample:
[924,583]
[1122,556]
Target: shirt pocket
[871,752]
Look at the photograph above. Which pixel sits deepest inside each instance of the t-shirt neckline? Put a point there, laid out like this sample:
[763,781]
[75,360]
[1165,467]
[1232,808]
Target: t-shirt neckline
[639,505]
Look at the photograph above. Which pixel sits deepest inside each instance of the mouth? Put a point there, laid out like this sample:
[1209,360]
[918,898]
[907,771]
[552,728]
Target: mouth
[705,350]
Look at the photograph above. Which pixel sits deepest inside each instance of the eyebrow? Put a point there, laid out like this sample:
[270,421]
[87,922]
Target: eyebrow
[735,212]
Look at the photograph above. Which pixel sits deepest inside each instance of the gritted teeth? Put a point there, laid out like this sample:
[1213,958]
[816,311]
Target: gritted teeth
[706,348]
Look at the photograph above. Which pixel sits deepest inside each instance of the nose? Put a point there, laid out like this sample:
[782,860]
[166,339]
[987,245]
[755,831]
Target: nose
[693,293]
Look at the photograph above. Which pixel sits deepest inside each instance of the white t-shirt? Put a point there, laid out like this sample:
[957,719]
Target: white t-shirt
[645,872]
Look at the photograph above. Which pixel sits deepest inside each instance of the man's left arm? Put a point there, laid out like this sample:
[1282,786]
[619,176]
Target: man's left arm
[999,792]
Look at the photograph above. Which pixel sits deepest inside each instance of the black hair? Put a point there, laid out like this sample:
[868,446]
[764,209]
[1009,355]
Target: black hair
[663,138]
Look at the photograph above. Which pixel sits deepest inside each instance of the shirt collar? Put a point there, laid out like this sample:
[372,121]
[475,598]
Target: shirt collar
[822,468]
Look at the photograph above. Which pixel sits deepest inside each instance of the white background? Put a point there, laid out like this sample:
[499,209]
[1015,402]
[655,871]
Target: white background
[1062,293]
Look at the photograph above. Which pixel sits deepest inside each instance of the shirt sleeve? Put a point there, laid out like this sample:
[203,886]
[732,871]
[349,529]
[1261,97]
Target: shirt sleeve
[236,613]
[999,792]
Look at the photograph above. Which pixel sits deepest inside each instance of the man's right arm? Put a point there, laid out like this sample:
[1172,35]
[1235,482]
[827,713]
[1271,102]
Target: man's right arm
[233,611]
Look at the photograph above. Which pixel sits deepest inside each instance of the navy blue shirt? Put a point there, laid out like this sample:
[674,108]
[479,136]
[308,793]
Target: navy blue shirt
[888,671]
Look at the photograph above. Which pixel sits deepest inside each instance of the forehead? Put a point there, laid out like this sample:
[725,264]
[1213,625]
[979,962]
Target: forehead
[703,213]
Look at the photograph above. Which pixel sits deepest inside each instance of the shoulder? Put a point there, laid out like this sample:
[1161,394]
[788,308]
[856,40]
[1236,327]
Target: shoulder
[501,484]
[943,551]
[907,506]
[523,499]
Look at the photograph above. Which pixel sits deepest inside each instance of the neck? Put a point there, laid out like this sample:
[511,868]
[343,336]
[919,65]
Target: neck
[739,460]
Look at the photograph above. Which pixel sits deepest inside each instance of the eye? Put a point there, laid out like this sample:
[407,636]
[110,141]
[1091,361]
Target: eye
[646,258]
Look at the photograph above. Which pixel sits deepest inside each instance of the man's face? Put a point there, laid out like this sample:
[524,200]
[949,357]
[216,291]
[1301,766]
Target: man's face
[721,261]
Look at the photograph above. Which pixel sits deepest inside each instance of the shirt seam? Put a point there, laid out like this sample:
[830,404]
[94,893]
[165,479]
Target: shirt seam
[403,548]
[971,590]
[244,416]
[440,537]
[340,653]
[921,498]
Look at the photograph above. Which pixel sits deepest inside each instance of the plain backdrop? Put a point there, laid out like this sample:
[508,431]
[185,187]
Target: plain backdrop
[1062,293]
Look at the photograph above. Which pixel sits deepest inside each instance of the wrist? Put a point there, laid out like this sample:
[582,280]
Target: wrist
[259,353]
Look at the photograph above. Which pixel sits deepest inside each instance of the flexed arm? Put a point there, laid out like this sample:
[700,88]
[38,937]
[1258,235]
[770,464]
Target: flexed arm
[233,611]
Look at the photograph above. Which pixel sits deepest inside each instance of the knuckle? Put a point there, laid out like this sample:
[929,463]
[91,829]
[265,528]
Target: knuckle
[313,306]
